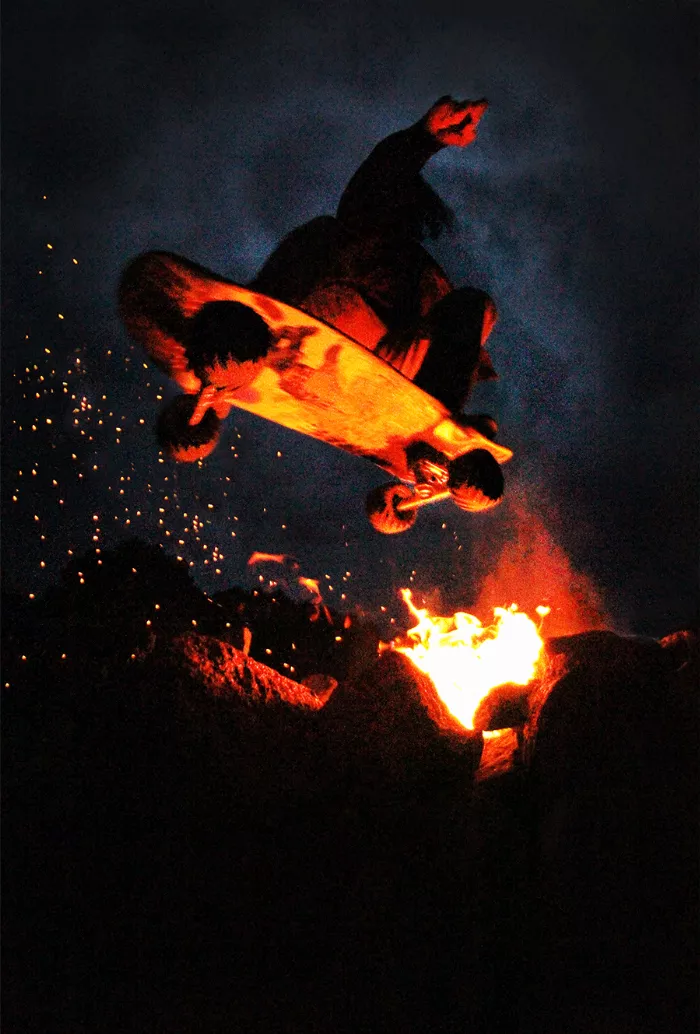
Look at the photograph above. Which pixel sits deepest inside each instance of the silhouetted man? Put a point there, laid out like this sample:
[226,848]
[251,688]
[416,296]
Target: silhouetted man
[366,272]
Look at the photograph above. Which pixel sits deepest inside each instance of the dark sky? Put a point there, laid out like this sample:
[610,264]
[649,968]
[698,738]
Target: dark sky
[211,129]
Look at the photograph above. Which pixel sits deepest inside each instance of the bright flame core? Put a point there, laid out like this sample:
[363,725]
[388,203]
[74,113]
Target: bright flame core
[465,661]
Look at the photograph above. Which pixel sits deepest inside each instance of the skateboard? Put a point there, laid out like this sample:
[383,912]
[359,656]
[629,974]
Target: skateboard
[313,379]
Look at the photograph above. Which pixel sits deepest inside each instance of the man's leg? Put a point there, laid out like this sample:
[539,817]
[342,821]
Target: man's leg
[455,328]
[434,334]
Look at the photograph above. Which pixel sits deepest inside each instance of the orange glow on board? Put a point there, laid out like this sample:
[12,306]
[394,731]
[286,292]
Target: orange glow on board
[465,660]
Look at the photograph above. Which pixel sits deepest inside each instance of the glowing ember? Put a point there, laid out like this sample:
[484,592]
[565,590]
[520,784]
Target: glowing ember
[465,660]
[271,558]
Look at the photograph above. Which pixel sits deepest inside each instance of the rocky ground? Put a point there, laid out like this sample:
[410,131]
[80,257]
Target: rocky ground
[197,842]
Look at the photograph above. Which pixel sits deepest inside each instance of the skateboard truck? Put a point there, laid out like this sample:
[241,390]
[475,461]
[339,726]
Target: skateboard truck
[422,499]
[431,471]
[473,481]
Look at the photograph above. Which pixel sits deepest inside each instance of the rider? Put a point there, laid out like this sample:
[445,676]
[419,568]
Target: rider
[367,273]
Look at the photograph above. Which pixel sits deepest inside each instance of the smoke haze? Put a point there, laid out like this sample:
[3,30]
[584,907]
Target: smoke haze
[211,130]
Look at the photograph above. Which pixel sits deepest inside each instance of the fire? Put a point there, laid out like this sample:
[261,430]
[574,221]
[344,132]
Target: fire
[466,660]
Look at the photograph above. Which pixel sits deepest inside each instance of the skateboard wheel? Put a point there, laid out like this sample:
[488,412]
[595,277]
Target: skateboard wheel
[224,334]
[382,512]
[476,481]
[178,439]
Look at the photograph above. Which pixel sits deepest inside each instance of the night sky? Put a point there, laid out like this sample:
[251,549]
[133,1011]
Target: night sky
[211,129]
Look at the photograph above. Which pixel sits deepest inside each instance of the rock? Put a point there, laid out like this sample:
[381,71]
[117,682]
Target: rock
[227,672]
[391,716]
[194,841]
[611,745]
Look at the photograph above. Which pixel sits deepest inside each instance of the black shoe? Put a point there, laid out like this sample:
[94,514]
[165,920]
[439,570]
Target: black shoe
[481,422]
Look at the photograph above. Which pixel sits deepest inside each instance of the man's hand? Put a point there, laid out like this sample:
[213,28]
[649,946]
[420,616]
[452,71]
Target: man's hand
[453,123]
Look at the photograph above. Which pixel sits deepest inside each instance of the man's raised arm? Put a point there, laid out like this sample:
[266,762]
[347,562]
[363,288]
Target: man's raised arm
[387,193]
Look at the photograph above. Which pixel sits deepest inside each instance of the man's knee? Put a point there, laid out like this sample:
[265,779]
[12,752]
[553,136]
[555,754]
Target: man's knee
[462,317]
[343,306]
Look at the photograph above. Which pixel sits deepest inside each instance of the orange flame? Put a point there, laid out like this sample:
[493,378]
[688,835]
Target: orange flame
[465,660]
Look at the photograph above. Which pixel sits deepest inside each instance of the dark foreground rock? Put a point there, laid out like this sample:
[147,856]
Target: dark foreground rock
[612,742]
[193,842]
